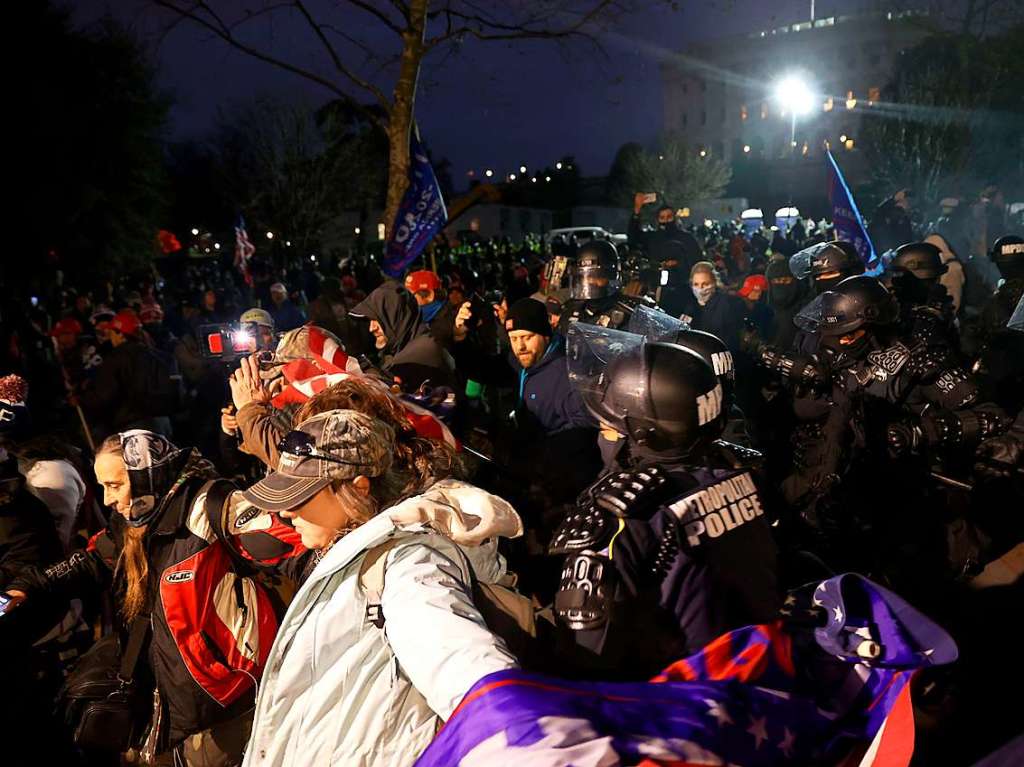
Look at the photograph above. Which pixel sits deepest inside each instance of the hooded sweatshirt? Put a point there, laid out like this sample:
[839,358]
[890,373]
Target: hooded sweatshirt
[411,353]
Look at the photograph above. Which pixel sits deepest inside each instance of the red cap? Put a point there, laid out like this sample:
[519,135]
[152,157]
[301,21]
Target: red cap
[422,280]
[754,281]
[67,326]
[125,322]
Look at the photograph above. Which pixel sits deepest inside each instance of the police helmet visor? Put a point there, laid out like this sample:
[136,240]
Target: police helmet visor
[801,262]
[830,314]
[1017,318]
[591,350]
[655,325]
[592,280]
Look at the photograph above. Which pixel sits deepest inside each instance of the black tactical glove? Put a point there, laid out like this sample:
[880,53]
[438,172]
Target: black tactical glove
[1000,457]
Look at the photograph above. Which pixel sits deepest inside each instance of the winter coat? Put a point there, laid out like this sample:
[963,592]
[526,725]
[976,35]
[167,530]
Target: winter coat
[340,690]
[546,395]
[412,354]
[211,631]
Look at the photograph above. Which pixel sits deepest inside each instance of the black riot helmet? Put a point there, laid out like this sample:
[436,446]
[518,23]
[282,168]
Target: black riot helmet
[920,259]
[1008,256]
[597,270]
[826,264]
[659,395]
[854,303]
[656,325]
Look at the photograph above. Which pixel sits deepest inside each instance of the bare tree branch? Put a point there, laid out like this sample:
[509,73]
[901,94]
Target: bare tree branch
[483,26]
[221,29]
[338,65]
[381,16]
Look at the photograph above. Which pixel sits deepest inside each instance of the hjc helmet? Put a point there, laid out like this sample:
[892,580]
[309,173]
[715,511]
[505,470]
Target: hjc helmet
[597,270]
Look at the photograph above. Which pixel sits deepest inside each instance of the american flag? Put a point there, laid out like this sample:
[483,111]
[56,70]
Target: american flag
[771,694]
[244,250]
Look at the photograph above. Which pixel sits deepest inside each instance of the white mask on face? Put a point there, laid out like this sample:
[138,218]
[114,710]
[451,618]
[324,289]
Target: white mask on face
[703,295]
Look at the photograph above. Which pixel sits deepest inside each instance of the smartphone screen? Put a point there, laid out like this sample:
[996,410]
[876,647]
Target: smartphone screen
[5,602]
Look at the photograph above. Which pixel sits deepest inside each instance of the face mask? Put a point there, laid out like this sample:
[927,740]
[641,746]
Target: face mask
[910,289]
[784,295]
[703,295]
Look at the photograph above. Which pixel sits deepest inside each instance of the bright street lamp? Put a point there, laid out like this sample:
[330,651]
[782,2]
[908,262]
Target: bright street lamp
[793,93]
[270,235]
[195,232]
[488,173]
[522,169]
[558,166]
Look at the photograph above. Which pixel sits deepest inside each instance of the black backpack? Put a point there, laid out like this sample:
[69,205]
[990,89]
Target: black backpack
[161,387]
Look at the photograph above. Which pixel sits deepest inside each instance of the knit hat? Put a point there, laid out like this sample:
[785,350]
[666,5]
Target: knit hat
[528,314]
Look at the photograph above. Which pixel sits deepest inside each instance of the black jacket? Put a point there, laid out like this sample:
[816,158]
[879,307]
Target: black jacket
[118,395]
[211,631]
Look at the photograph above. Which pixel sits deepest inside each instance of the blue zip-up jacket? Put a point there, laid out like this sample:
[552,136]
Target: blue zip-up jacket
[546,394]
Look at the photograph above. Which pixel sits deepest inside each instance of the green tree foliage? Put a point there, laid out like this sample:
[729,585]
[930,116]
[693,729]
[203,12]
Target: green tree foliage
[952,117]
[89,182]
[674,171]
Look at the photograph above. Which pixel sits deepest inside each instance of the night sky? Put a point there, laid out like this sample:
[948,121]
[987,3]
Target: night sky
[492,104]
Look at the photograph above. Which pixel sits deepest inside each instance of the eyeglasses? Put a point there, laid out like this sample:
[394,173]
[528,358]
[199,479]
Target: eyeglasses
[304,445]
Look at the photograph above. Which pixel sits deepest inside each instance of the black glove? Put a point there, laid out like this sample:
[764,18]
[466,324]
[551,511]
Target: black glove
[902,439]
[1000,456]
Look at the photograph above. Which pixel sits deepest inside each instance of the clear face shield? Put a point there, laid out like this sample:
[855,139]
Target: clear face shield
[594,281]
[1017,318]
[590,350]
[801,263]
[655,325]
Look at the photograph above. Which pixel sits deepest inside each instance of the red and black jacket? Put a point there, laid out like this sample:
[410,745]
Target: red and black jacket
[212,626]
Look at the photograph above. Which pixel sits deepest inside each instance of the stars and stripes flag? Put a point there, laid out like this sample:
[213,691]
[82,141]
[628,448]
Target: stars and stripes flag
[327,364]
[244,250]
[827,685]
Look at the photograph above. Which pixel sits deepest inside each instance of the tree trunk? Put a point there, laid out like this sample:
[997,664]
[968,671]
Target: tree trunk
[401,113]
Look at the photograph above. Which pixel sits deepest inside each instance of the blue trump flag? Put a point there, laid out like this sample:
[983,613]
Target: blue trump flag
[846,218]
[420,216]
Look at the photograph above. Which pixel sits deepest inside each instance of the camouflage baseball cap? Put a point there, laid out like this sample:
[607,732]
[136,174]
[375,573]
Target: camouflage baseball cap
[338,444]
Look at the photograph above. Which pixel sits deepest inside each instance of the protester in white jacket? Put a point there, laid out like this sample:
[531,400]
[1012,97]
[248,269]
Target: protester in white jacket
[359,678]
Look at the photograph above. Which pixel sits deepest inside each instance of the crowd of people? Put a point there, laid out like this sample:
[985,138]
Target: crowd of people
[289,517]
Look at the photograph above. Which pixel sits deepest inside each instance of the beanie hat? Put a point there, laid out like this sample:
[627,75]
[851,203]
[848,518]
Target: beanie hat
[528,314]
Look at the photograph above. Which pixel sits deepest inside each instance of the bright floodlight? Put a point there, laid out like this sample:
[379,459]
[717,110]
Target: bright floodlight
[795,94]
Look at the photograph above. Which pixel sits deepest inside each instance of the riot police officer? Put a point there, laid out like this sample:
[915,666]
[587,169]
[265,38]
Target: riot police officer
[823,266]
[826,264]
[597,297]
[1008,256]
[674,548]
[926,310]
[885,410]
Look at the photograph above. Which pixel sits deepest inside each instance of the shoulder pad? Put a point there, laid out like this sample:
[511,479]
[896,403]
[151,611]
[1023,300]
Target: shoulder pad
[888,362]
[585,528]
[738,456]
[634,494]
